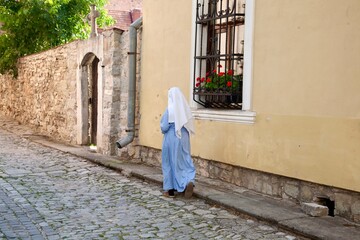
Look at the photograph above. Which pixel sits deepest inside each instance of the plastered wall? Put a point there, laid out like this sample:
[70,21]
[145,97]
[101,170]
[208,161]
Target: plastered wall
[305,89]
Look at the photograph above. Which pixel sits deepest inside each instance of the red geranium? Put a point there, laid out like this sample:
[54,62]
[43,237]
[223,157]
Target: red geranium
[214,80]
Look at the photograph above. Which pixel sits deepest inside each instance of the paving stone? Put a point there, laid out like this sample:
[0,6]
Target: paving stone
[49,194]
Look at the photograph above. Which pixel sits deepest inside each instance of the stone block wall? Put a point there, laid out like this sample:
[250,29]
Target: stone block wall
[44,94]
[115,68]
[47,93]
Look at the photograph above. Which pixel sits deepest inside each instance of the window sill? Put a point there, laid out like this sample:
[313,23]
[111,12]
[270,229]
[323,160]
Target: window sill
[236,116]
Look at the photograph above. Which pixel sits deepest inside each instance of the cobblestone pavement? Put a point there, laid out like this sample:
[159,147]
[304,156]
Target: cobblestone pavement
[48,194]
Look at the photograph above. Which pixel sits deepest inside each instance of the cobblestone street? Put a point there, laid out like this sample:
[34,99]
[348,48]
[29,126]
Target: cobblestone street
[49,194]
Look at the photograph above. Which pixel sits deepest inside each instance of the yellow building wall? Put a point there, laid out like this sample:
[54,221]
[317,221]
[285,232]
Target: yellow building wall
[306,84]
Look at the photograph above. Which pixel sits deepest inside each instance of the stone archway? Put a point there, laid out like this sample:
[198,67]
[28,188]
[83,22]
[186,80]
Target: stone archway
[89,99]
[100,64]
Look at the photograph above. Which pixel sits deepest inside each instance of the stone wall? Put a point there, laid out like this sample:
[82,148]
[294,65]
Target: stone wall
[347,203]
[44,94]
[49,94]
[115,79]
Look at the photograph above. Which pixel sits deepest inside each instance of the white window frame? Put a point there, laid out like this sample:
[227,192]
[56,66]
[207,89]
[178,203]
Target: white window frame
[246,115]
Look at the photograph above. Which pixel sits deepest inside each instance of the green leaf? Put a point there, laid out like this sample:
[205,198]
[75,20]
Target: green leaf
[36,25]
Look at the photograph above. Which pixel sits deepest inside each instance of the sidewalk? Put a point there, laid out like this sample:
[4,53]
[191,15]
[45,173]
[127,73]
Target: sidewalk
[284,214]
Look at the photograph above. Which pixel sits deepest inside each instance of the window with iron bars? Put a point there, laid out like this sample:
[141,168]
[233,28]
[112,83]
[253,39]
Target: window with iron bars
[219,48]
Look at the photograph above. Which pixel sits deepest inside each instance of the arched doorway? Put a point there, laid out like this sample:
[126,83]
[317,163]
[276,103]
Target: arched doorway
[89,99]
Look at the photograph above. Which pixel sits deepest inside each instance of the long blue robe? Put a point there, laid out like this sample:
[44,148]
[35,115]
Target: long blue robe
[177,166]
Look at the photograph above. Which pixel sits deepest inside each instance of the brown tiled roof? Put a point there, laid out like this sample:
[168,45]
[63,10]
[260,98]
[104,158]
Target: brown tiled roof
[124,18]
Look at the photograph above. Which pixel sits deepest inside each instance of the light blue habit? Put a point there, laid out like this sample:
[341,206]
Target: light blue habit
[177,166]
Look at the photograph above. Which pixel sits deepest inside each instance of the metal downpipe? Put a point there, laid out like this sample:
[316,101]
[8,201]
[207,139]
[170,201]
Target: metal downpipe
[132,85]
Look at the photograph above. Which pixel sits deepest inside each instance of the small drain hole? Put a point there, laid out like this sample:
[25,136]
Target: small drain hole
[325,201]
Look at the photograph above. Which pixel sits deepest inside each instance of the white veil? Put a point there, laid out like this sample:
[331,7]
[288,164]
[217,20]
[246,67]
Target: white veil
[179,111]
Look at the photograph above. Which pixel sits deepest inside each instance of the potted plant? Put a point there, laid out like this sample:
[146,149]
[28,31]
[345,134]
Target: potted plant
[220,86]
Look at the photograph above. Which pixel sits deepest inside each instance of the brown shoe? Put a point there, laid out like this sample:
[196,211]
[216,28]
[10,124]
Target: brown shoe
[169,194]
[189,190]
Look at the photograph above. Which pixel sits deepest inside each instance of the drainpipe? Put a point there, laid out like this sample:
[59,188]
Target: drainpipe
[132,85]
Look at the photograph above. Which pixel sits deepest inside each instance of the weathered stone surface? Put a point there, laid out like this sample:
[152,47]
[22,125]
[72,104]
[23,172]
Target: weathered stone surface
[314,209]
[305,193]
[268,188]
[46,92]
[291,190]
[342,203]
[43,93]
[355,207]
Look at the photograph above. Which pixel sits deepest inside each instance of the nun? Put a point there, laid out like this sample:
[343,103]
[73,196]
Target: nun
[177,166]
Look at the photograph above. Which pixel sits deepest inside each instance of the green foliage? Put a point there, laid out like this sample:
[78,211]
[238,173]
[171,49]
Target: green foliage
[32,26]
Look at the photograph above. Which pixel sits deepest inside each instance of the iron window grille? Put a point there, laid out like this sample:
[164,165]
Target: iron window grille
[219,47]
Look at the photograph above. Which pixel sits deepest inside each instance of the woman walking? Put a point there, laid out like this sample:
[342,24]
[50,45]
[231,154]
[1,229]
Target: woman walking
[177,166]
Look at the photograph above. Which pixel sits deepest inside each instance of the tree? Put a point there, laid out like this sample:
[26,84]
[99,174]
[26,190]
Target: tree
[32,26]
